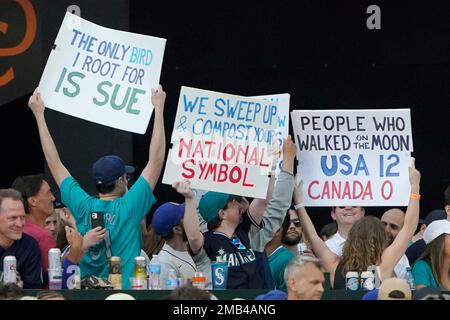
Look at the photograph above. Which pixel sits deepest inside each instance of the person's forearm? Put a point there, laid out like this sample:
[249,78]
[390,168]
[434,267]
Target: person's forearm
[48,146]
[75,254]
[270,188]
[288,164]
[157,147]
[307,225]
[191,224]
[412,212]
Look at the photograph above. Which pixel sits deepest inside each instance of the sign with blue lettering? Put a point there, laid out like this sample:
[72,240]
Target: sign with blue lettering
[102,75]
[222,142]
[282,122]
[354,157]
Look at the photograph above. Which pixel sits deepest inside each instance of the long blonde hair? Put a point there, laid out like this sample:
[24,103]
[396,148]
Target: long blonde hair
[365,244]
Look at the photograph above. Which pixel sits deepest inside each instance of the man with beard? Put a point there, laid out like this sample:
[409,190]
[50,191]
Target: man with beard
[393,220]
[283,247]
[167,222]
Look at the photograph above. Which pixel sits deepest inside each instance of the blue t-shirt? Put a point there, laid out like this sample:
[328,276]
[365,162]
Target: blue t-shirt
[28,257]
[122,217]
[423,274]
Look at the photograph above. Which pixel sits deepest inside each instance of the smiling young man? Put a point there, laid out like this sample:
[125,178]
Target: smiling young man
[345,218]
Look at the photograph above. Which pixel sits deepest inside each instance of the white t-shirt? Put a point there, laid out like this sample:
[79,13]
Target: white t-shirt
[180,261]
[336,245]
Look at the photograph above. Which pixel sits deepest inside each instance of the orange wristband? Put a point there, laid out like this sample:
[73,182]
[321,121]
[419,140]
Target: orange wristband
[414,196]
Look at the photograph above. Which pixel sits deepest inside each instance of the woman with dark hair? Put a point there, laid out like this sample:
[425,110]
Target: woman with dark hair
[367,243]
[433,267]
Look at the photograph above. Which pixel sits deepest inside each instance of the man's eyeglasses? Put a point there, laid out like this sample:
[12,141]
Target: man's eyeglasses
[296,222]
[347,206]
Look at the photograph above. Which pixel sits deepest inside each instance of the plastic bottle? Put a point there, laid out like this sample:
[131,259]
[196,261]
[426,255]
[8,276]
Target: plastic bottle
[172,280]
[154,273]
[410,279]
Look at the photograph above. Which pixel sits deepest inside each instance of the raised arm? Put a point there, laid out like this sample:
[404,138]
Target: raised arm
[191,222]
[157,149]
[58,170]
[289,151]
[258,206]
[395,251]
[327,258]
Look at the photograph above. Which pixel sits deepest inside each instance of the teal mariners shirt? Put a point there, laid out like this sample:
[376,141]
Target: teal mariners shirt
[122,218]
[278,261]
[423,274]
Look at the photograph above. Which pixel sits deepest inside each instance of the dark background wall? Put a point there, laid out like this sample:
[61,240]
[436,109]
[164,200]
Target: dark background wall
[318,51]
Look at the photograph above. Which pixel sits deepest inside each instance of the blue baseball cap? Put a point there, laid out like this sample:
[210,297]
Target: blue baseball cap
[108,169]
[166,217]
[272,295]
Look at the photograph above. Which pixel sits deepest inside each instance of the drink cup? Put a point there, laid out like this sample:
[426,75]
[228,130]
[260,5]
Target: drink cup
[138,283]
[219,272]
[199,280]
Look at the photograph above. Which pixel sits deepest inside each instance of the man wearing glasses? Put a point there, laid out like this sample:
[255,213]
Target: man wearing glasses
[283,247]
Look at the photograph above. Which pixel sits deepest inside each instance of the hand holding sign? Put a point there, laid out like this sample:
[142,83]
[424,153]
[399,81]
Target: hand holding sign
[184,188]
[289,148]
[414,177]
[158,99]
[35,103]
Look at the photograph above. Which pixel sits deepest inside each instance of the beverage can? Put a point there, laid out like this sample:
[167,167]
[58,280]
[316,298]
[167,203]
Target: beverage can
[9,270]
[54,269]
[367,280]
[301,247]
[115,265]
[54,258]
[352,281]
[140,267]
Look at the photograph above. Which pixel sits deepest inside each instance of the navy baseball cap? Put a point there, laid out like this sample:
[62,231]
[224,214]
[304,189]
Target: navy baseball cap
[108,169]
[437,214]
[166,217]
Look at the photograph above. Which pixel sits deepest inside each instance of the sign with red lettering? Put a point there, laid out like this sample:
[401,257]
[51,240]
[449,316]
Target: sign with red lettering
[222,142]
[354,157]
